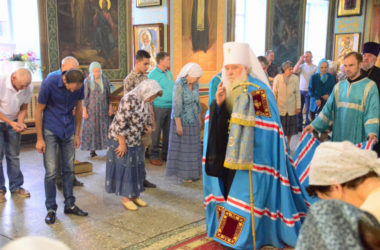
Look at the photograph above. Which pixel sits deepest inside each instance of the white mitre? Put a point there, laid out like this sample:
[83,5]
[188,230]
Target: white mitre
[241,53]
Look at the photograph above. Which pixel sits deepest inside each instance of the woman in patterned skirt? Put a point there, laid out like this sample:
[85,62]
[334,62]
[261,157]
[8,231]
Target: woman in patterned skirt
[96,110]
[184,159]
[125,167]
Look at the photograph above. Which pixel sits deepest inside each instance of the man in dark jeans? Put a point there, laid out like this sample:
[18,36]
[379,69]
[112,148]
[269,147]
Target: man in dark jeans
[162,107]
[60,93]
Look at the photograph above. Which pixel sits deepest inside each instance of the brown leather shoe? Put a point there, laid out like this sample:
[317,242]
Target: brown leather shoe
[21,192]
[2,196]
[156,162]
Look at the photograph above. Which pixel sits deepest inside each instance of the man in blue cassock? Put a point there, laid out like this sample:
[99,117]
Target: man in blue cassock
[243,133]
[353,107]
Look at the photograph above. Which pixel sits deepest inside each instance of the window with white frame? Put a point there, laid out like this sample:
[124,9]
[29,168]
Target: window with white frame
[19,30]
[316,21]
[250,24]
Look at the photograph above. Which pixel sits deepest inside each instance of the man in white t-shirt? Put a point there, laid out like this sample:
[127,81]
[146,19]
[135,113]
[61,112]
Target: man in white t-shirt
[305,71]
[15,93]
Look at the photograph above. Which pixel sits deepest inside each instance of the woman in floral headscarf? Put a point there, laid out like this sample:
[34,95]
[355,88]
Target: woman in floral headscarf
[96,110]
[125,167]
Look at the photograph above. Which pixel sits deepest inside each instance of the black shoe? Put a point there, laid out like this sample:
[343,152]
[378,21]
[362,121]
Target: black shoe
[50,217]
[76,210]
[148,184]
[93,154]
[77,183]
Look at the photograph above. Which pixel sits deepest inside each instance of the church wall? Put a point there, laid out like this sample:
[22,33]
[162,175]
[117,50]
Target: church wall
[365,25]
[152,15]
[167,13]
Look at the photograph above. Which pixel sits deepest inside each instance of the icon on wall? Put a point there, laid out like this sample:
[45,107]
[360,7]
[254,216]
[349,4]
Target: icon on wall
[349,8]
[149,37]
[344,44]
[147,3]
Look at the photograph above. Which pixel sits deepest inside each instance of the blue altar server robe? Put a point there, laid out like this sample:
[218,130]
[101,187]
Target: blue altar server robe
[352,110]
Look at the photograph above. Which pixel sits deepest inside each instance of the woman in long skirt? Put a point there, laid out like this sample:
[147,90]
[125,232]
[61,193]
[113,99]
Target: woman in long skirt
[96,110]
[287,94]
[184,159]
[125,167]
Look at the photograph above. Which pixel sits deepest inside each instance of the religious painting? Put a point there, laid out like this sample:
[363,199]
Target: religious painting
[372,24]
[285,23]
[93,30]
[149,37]
[349,8]
[344,44]
[198,32]
[147,3]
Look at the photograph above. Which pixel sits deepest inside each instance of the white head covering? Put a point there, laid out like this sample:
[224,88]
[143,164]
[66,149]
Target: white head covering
[190,69]
[146,89]
[35,243]
[241,53]
[340,162]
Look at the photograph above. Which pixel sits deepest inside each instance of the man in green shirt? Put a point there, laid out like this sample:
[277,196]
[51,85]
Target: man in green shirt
[162,107]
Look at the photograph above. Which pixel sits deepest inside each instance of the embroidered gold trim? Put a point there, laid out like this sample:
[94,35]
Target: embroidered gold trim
[351,106]
[336,93]
[372,121]
[366,91]
[225,223]
[219,211]
[325,119]
[260,101]
[237,165]
[242,122]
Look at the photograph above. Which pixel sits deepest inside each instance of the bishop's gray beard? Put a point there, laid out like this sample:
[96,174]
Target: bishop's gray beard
[231,93]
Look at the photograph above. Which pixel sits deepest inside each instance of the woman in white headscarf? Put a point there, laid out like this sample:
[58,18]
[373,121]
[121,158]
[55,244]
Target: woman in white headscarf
[125,168]
[184,159]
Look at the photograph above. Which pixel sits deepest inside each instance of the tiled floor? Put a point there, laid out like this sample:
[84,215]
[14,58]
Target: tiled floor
[109,225]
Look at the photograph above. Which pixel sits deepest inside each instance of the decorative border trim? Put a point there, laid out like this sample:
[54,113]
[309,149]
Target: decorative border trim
[260,101]
[225,224]
[53,40]
[219,211]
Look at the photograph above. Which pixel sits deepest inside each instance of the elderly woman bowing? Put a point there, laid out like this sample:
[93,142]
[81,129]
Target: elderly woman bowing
[184,159]
[125,169]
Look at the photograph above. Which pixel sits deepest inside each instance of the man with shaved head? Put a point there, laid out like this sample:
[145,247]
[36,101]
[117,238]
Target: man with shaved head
[58,129]
[15,93]
[67,63]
